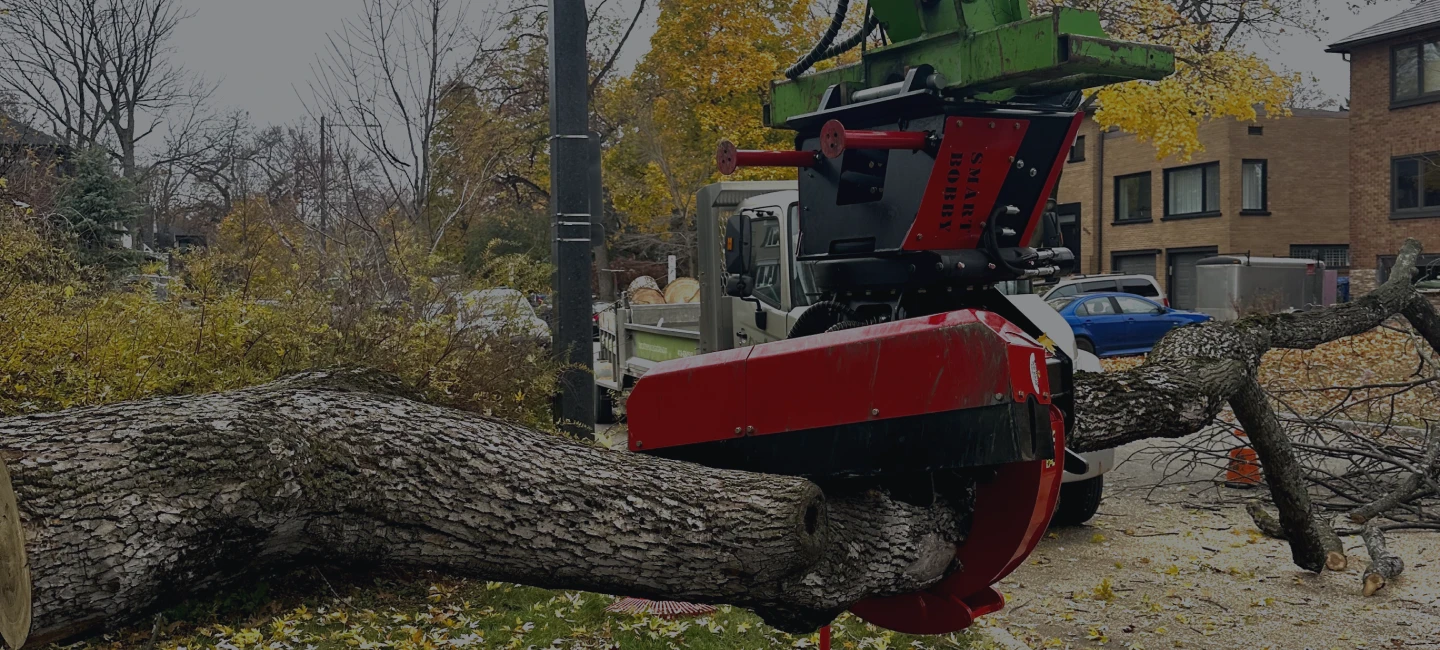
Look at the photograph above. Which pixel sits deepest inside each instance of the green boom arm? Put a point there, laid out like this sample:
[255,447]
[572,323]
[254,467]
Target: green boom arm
[988,49]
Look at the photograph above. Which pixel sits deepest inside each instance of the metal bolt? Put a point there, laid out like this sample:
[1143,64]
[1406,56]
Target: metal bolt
[919,236]
[1016,125]
[639,444]
[749,431]
[1046,394]
[1019,164]
[875,412]
[1033,172]
[992,125]
[999,397]
[959,122]
[1020,395]
[738,430]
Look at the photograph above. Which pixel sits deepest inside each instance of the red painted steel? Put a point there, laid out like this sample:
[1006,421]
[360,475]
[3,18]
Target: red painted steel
[1054,178]
[835,139]
[728,158]
[974,158]
[706,393]
[1012,513]
[935,364]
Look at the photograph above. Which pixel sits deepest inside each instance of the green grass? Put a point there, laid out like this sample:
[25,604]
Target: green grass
[305,612]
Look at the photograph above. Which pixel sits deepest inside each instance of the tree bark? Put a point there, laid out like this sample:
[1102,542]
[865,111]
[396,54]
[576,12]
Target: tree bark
[130,507]
[1384,565]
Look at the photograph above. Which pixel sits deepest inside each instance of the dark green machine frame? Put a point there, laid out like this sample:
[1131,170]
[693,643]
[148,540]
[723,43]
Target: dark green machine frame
[985,49]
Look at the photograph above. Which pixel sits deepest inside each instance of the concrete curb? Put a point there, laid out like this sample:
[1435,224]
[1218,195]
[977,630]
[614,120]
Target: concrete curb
[1004,639]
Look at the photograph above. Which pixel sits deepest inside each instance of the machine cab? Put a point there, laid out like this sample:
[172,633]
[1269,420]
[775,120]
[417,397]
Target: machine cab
[765,287]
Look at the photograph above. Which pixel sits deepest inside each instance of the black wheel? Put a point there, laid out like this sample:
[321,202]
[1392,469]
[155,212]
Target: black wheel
[1086,345]
[604,406]
[1079,501]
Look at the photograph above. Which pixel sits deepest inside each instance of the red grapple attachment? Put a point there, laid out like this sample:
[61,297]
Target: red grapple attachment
[958,390]
[964,389]
[1012,513]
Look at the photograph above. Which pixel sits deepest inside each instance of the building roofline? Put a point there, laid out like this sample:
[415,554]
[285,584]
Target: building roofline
[1421,18]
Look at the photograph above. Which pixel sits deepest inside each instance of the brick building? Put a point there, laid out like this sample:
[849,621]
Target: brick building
[1394,141]
[1277,188]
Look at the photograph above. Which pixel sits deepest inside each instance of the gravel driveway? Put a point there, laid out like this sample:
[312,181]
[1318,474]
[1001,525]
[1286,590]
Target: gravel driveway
[1174,568]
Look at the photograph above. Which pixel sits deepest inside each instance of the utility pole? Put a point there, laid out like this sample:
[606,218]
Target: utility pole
[570,203]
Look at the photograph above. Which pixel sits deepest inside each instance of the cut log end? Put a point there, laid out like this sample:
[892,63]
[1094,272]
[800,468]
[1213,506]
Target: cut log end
[15,605]
[1373,582]
[1336,561]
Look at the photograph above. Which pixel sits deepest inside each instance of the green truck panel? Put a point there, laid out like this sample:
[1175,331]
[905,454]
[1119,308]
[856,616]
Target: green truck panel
[658,347]
[987,49]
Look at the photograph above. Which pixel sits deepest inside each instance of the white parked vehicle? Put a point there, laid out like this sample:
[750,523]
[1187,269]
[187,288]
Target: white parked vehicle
[495,310]
[1141,285]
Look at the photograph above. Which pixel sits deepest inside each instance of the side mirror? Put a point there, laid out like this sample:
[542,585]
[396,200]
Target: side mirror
[762,317]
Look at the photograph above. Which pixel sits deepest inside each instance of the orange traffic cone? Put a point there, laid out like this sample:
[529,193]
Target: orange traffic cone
[1244,468]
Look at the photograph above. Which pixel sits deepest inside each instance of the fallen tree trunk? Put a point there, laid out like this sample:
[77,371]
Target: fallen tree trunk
[1194,372]
[128,508]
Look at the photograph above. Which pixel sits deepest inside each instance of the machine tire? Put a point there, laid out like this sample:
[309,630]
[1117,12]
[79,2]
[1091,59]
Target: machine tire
[604,406]
[1079,501]
[1085,345]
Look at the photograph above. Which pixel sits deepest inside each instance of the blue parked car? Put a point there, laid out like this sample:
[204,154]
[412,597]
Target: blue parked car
[1120,324]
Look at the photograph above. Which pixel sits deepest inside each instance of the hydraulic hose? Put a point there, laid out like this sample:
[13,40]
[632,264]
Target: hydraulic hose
[871,22]
[817,53]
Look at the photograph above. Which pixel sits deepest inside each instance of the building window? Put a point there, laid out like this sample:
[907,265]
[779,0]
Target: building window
[1415,188]
[1077,150]
[1254,185]
[1192,191]
[1335,256]
[1132,197]
[1257,130]
[1415,71]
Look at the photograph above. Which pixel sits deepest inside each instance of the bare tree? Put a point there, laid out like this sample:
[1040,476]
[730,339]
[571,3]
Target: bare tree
[382,81]
[98,72]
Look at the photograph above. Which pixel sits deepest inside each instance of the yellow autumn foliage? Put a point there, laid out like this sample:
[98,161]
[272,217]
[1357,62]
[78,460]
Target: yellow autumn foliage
[1213,79]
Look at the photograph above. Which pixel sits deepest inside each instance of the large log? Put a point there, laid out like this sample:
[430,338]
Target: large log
[130,507]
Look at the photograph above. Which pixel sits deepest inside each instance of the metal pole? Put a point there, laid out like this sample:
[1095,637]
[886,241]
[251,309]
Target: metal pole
[570,203]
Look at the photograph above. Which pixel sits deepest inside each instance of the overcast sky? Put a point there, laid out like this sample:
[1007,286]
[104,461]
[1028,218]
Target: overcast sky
[261,51]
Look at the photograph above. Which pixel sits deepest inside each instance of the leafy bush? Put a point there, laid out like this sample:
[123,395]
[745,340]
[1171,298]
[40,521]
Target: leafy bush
[257,306]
